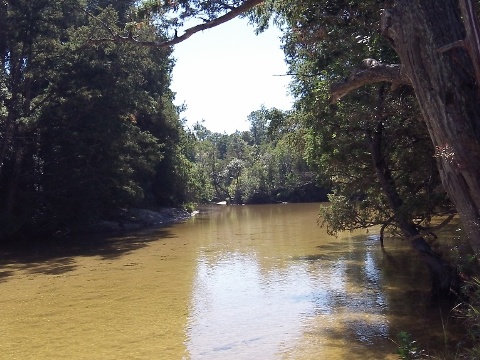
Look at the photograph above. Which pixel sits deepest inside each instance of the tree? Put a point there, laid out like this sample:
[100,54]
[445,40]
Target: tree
[382,170]
[370,138]
[30,46]
[84,130]
[170,15]
[259,123]
[447,88]
[445,80]
[265,170]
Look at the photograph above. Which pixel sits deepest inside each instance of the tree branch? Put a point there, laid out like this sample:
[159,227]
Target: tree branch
[247,5]
[428,231]
[370,71]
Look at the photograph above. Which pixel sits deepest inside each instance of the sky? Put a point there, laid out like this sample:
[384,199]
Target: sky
[224,73]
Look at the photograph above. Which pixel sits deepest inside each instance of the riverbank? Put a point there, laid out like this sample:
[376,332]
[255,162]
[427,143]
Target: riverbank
[135,219]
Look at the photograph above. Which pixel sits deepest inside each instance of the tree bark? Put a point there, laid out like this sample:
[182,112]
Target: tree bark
[12,186]
[446,89]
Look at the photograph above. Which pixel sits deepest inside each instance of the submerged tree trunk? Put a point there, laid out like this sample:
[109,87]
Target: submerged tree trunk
[445,86]
[443,275]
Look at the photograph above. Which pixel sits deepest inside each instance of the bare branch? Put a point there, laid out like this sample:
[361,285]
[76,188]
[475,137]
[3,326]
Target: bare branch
[299,75]
[454,45]
[371,71]
[247,5]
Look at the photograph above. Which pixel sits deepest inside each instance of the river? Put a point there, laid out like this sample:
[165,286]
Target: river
[236,282]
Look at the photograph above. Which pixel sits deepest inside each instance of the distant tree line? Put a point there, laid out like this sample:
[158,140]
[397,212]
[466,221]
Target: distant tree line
[262,165]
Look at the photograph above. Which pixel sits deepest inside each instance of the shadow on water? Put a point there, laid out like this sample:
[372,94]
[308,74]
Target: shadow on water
[392,283]
[57,256]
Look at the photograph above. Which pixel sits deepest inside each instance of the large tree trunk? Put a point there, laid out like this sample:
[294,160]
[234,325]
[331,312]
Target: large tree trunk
[445,86]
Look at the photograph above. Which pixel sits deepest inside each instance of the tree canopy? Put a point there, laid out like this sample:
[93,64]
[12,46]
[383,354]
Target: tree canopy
[349,33]
[85,129]
[262,165]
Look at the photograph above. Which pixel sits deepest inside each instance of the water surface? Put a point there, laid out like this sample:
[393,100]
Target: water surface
[238,282]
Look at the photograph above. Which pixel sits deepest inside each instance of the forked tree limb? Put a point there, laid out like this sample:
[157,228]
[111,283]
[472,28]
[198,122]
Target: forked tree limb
[233,13]
[370,71]
[430,230]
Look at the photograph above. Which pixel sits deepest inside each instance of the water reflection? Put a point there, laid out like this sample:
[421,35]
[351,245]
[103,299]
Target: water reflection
[258,301]
[237,310]
[286,296]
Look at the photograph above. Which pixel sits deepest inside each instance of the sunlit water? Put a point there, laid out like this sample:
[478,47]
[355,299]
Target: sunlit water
[238,282]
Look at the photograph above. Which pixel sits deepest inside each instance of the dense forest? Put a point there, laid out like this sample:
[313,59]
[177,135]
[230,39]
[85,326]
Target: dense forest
[386,117]
[84,129]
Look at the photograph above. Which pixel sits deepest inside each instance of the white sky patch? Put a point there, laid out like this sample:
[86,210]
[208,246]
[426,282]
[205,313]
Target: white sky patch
[224,73]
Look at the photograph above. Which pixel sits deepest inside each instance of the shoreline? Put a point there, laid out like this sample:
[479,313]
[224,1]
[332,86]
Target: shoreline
[138,219]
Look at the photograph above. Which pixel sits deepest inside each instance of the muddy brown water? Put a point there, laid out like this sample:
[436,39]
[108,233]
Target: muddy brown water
[237,282]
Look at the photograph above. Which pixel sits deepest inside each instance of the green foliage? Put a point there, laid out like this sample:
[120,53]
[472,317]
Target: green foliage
[339,145]
[85,129]
[264,164]
[259,123]
[407,349]
[323,41]
[344,214]
[468,310]
[99,118]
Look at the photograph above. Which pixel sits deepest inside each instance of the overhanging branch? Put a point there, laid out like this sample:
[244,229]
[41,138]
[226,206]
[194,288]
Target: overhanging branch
[430,230]
[116,37]
[370,71]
